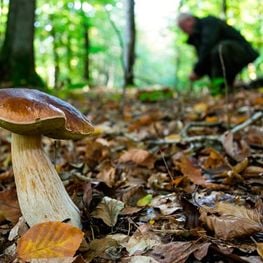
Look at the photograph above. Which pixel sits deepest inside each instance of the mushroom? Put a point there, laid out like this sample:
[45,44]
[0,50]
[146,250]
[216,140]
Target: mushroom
[29,114]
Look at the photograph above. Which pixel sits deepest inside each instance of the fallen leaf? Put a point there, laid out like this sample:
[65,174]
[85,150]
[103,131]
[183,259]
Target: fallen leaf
[190,171]
[49,240]
[238,150]
[144,201]
[142,240]
[260,249]
[200,107]
[108,175]
[87,194]
[230,221]
[214,159]
[9,207]
[167,204]
[139,157]
[108,210]
[100,248]
[177,252]
[19,229]
[145,120]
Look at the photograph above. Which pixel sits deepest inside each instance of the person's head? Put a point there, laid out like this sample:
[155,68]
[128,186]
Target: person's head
[186,22]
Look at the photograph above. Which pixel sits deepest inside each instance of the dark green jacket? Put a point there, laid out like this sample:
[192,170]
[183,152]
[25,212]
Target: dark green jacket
[208,33]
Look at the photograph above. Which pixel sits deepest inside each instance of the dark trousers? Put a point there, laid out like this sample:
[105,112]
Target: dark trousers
[227,59]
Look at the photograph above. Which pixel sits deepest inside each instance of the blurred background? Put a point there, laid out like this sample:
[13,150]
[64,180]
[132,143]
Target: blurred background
[80,44]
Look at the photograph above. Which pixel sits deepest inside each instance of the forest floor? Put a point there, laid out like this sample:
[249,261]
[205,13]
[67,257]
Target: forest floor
[163,180]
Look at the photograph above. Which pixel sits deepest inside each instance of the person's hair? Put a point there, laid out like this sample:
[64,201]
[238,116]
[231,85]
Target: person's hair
[183,16]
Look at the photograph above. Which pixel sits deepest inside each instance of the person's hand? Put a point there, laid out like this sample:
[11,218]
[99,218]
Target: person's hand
[193,76]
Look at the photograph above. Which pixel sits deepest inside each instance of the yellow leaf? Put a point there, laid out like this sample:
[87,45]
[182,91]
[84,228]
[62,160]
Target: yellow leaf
[49,240]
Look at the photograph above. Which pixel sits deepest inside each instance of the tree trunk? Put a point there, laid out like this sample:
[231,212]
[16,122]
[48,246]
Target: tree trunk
[86,32]
[86,51]
[130,38]
[69,56]
[224,8]
[17,62]
[55,53]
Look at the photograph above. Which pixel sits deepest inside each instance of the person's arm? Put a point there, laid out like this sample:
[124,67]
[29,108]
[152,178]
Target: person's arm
[210,37]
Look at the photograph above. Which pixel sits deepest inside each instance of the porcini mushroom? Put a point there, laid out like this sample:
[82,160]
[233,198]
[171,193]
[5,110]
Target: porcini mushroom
[29,114]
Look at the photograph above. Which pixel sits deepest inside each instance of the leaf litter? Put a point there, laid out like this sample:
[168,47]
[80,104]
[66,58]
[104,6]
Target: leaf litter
[162,181]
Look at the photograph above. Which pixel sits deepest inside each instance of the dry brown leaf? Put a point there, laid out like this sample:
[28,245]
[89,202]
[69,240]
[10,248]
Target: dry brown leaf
[9,207]
[178,252]
[142,240]
[139,157]
[230,221]
[253,171]
[49,240]
[214,160]
[145,120]
[190,171]
[238,150]
[87,194]
[108,175]
[100,248]
[108,210]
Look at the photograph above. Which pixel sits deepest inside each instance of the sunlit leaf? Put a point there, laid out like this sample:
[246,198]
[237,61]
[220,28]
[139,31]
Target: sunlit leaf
[146,200]
[49,240]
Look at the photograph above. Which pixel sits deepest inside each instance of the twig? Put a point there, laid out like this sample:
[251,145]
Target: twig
[166,166]
[198,124]
[243,125]
[216,138]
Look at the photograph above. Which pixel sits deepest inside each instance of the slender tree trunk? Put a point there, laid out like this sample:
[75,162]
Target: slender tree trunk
[86,51]
[130,38]
[69,56]
[224,8]
[86,31]
[17,62]
[1,17]
[55,53]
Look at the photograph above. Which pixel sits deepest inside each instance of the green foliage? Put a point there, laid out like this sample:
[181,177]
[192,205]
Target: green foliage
[61,51]
[155,95]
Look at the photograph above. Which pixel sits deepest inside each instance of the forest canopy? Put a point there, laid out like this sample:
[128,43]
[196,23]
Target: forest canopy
[82,43]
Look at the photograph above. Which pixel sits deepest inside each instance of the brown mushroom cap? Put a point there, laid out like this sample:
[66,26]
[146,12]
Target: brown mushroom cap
[32,112]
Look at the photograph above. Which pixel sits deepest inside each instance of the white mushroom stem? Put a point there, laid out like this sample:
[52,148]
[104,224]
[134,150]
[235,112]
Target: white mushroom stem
[41,194]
